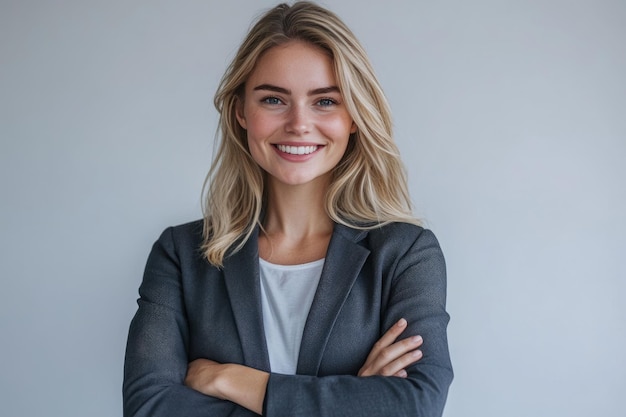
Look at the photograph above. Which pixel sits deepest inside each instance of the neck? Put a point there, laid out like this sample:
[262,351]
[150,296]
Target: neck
[296,227]
[297,211]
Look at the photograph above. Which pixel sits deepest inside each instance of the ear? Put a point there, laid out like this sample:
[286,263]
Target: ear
[353,128]
[240,114]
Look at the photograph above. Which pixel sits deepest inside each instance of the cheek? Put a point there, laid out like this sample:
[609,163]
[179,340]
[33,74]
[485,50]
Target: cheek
[256,153]
[259,131]
[340,128]
[260,126]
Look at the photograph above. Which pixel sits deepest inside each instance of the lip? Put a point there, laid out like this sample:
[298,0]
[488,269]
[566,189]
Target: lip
[297,157]
[297,144]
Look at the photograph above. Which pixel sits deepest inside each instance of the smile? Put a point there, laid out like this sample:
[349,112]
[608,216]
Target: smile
[297,150]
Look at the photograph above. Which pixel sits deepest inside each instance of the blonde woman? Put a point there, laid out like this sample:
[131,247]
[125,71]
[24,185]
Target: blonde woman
[309,289]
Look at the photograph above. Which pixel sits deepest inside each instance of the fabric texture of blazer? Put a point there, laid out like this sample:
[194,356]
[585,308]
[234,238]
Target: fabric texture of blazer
[189,309]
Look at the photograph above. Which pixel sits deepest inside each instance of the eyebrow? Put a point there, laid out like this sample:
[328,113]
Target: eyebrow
[270,87]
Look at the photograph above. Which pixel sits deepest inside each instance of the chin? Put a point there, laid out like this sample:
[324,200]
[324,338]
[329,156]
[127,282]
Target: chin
[302,180]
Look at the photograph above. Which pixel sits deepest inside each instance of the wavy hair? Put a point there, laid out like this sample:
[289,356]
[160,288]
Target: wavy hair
[369,185]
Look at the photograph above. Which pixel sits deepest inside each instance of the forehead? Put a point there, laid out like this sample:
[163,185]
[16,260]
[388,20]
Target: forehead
[294,64]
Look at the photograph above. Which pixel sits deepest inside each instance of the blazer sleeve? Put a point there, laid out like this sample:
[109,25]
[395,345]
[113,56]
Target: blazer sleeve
[417,293]
[156,352]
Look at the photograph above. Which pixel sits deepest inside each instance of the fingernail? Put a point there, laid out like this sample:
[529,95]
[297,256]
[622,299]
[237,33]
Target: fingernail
[401,323]
[416,353]
[416,339]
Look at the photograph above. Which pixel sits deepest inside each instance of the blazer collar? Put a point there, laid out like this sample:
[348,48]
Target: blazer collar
[241,274]
[344,260]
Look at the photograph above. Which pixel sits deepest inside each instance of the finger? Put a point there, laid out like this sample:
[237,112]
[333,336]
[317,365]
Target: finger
[399,365]
[389,337]
[397,349]
[388,358]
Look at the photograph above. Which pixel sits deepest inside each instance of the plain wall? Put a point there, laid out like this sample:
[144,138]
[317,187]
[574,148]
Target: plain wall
[511,119]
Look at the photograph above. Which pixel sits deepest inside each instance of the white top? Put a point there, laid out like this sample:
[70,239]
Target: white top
[286,295]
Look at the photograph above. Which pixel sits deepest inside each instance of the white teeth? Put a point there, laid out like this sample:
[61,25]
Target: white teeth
[297,150]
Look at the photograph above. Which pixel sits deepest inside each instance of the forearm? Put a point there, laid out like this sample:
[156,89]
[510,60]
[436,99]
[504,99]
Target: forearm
[417,395]
[422,393]
[153,382]
[238,384]
[245,386]
[176,400]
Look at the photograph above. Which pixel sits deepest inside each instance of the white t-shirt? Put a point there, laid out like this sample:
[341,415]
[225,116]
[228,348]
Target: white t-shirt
[286,295]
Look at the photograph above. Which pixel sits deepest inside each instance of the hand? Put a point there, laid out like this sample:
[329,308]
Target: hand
[390,358]
[236,383]
[202,375]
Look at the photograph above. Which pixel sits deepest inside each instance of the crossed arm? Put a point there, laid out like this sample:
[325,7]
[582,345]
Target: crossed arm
[160,381]
[246,386]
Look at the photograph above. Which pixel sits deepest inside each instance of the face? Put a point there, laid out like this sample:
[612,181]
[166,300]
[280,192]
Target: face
[297,124]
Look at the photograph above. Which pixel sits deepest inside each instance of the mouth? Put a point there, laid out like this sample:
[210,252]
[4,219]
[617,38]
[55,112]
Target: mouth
[297,150]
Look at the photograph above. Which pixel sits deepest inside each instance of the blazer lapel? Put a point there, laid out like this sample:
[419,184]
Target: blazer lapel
[241,274]
[344,260]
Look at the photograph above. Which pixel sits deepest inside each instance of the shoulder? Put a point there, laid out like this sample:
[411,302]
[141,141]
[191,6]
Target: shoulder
[398,229]
[400,237]
[391,239]
[396,247]
[180,241]
[183,234]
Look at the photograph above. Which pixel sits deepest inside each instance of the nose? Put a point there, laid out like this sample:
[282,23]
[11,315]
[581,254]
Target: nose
[298,121]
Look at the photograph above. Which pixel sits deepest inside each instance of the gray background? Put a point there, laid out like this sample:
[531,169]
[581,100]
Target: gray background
[511,118]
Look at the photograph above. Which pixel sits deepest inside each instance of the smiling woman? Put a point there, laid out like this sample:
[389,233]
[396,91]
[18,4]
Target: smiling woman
[297,125]
[308,288]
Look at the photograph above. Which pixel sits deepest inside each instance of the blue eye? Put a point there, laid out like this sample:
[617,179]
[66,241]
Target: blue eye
[271,100]
[325,102]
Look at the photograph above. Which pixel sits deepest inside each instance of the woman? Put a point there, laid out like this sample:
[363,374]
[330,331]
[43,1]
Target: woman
[308,289]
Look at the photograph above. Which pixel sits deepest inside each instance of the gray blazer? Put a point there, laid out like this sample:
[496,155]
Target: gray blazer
[189,309]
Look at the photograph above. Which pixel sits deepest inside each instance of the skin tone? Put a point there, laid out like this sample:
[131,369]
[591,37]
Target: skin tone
[298,130]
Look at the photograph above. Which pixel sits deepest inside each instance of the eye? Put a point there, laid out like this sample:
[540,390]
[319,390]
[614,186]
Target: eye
[271,100]
[326,102]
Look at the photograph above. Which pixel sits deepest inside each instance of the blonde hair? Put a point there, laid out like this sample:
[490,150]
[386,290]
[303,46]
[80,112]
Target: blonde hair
[369,186]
